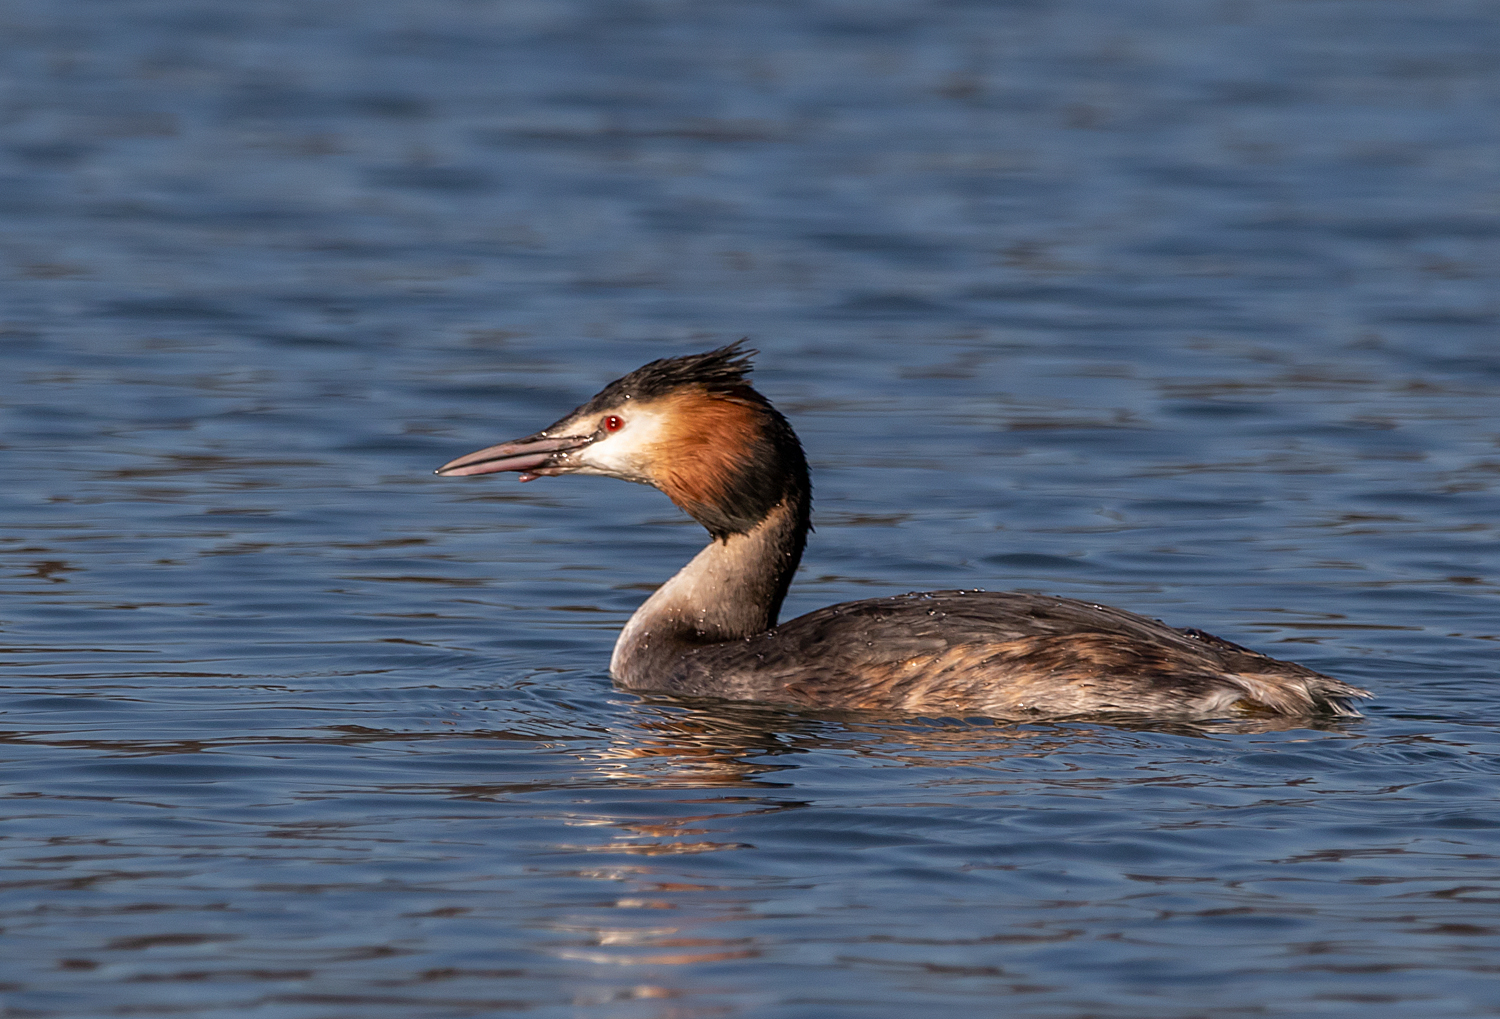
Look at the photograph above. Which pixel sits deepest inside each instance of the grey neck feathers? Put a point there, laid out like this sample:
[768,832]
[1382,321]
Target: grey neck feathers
[731,590]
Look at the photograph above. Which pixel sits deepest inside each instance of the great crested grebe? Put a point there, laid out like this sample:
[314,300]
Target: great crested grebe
[695,428]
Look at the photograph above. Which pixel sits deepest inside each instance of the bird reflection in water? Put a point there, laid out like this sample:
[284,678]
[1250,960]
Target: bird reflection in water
[682,742]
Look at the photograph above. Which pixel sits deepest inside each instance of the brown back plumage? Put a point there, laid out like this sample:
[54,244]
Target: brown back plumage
[1008,655]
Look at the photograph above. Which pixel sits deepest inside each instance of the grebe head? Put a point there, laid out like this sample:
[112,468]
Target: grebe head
[691,426]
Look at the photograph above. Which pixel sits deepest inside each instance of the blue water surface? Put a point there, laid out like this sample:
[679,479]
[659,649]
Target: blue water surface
[1185,307]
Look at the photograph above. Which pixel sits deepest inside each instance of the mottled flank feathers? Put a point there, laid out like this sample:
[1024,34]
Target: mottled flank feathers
[1006,655]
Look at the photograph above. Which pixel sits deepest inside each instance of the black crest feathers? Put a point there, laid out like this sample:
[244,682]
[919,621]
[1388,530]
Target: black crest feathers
[723,371]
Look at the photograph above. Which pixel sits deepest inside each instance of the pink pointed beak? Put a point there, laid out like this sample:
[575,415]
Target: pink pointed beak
[531,456]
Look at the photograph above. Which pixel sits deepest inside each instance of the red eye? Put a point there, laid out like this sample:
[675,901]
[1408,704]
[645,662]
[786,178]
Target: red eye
[614,423]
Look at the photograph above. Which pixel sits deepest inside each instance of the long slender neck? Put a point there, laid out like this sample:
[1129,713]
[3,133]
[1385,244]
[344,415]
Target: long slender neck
[731,590]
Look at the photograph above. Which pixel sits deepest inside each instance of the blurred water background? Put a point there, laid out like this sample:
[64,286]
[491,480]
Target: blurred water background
[1187,307]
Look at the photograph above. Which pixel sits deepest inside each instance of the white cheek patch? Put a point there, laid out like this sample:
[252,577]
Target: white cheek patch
[628,452]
